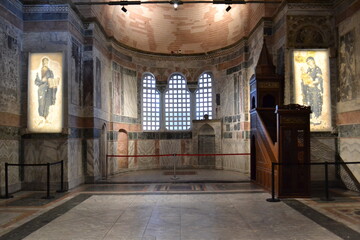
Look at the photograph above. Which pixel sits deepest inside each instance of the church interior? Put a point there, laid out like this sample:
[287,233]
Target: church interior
[152,120]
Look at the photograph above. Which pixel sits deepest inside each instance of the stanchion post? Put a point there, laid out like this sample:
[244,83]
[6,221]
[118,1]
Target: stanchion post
[174,177]
[62,177]
[6,181]
[48,182]
[273,199]
[327,197]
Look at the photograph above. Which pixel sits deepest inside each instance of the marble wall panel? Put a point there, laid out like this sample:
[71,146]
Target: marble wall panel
[322,149]
[112,162]
[130,95]
[92,159]
[147,147]
[44,151]
[226,90]
[9,153]
[170,147]
[350,152]
[75,164]
[187,148]
[131,151]
[10,50]
[236,163]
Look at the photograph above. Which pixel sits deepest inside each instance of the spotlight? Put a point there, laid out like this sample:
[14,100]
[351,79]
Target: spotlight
[228,8]
[124,9]
[176,3]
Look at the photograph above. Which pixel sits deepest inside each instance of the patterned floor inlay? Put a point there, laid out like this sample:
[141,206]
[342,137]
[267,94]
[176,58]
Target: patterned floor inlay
[180,173]
[237,187]
[35,199]
[116,187]
[337,226]
[180,187]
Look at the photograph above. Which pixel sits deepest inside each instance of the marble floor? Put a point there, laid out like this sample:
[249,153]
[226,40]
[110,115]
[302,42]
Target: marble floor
[177,210]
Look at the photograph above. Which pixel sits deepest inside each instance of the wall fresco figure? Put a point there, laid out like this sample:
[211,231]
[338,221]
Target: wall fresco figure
[312,88]
[47,87]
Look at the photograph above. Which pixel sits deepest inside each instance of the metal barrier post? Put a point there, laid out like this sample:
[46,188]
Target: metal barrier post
[62,178]
[174,177]
[273,199]
[7,181]
[48,182]
[327,198]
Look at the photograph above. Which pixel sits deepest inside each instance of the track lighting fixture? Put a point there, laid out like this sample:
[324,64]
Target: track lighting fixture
[176,3]
[228,8]
[124,9]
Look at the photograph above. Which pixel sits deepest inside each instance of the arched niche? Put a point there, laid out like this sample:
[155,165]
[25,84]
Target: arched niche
[122,149]
[207,140]
[206,145]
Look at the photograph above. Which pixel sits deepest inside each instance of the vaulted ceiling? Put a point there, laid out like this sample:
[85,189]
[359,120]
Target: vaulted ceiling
[191,29]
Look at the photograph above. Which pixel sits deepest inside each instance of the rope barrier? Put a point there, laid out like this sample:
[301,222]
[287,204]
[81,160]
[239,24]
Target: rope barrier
[180,155]
[172,155]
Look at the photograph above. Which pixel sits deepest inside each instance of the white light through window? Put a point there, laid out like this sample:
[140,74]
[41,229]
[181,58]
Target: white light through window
[177,104]
[204,97]
[151,104]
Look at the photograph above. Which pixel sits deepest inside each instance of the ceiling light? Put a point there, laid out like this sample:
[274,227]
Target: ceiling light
[228,8]
[124,9]
[175,5]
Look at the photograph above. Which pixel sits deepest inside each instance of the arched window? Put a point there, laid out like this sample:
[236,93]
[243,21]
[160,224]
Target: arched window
[177,104]
[204,97]
[151,104]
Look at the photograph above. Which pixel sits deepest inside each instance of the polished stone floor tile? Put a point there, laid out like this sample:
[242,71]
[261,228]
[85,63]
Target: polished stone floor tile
[223,211]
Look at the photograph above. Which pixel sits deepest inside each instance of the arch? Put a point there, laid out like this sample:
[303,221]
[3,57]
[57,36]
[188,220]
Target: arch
[309,34]
[204,96]
[206,129]
[206,145]
[103,151]
[150,103]
[122,149]
[177,104]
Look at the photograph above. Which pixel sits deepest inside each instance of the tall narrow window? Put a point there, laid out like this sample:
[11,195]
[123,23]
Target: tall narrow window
[204,97]
[177,104]
[151,104]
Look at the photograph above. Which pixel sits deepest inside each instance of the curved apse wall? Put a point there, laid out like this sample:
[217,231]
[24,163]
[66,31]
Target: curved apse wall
[158,28]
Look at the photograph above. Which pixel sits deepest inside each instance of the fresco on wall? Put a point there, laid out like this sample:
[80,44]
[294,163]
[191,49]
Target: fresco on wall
[10,49]
[98,84]
[75,71]
[88,86]
[347,89]
[312,85]
[45,92]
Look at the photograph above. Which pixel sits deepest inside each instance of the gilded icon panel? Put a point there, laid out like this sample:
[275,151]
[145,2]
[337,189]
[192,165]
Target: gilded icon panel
[312,86]
[45,82]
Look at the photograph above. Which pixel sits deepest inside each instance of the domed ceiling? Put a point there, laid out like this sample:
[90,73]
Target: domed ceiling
[159,28]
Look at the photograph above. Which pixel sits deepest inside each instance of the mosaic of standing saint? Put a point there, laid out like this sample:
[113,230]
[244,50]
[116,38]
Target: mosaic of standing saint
[311,79]
[45,92]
